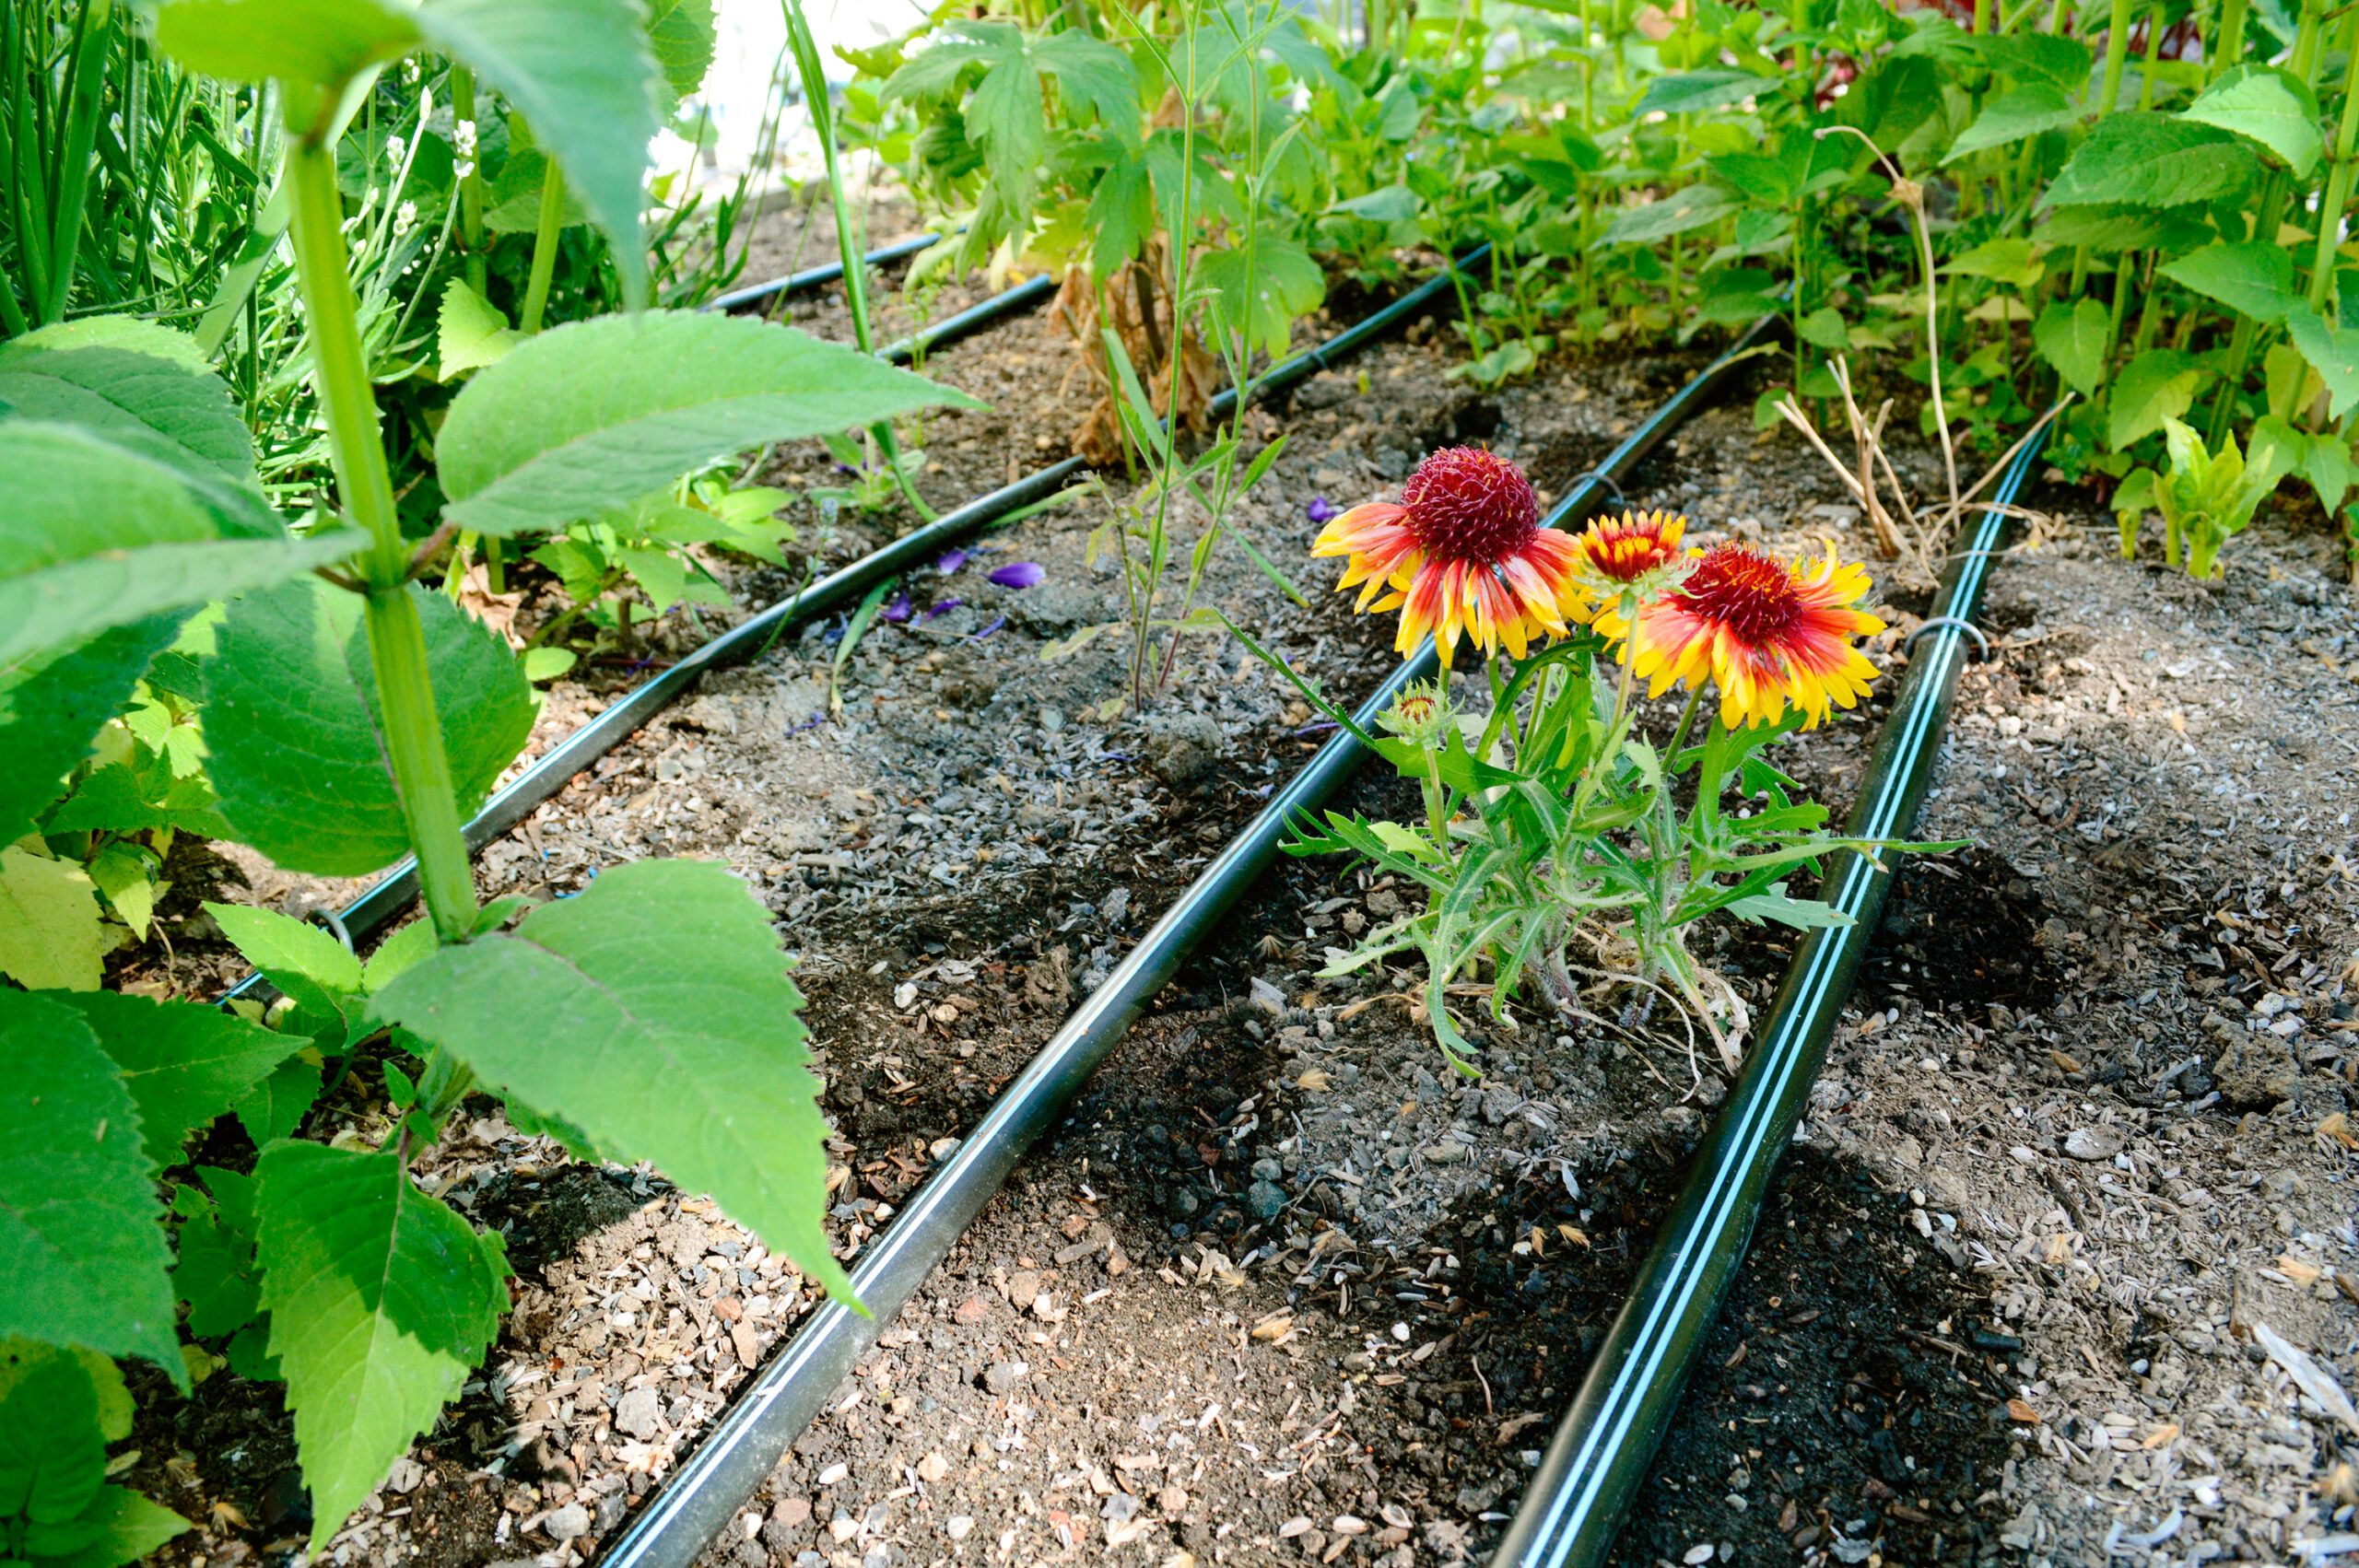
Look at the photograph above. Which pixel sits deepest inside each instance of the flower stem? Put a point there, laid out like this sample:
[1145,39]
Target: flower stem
[545,243]
[396,638]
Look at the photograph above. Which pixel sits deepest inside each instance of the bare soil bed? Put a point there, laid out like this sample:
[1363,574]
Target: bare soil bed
[1281,1287]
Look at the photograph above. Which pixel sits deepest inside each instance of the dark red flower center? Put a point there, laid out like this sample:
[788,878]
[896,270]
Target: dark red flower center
[1748,590]
[1466,504]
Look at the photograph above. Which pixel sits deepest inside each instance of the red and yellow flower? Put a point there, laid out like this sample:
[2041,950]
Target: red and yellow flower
[1768,633]
[1626,560]
[1462,550]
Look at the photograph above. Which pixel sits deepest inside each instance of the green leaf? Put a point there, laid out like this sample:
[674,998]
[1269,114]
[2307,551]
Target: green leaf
[184,1063]
[97,536]
[182,418]
[2251,277]
[125,874]
[380,1302]
[1692,92]
[217,1276]
[582,74]
[119,1526]
[682,35]
[52,1450]
[51,933]
[2021,112]
[274,1108]
[82,1253]
[683,1044]
[1693,206]
[2333,353]
[2109,228]
[53,705]
[1122,214]
[1089,71]
[318,43]
[2157,385]
[1824,328]
[135,335]
[1260,307]
[2014,262]
[2071,337]
[129,797]
[297,750]
[2266,105]
[2142,159]
[592,417]
[316,972]
[470,333]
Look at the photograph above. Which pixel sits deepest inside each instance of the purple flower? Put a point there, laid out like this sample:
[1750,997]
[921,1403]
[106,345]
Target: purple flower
[1020,574]
[896,609]
[997,622]
[1321,510]
[949,561]
[943,607]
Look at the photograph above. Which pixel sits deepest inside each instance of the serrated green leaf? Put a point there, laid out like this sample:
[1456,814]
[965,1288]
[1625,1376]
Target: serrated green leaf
[1693,206]
[1259,305]
[95,536]
[2157,385]
[129,797]
[218,1277]
[683,1043]
[2250,278]
[274,1108]
[125,874]
[2266,105]
[316,972]
[2142,159]
[1693,92]
[2014,262]
[182,418]
[135,335]
[583,76]
[2026,111]
[2108,228]
[184,1063]
[470,333]
[2071,337]
[299,755]
[119,1526]
[2333,353]
[82,1253]
[52,935]
[682,35]
[380,1302]
[52,1451]
[54,704]
[317,43]
[590,418]
[113,1408]
[1122,214]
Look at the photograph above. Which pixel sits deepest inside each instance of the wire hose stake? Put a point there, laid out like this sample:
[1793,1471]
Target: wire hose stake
[1607,1441]
[707,1492]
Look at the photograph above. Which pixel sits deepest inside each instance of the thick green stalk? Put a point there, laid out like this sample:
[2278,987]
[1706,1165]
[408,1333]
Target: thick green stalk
[2227,47]
[2117,53]
[2266,218]
[545,243]
[396,638]
[2338,180]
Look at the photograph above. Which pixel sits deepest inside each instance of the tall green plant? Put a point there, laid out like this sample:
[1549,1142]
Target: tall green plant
[354,717]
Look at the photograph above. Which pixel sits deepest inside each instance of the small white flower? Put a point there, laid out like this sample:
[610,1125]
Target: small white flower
[396,148]
[409,70]
[464,135]
[404,218]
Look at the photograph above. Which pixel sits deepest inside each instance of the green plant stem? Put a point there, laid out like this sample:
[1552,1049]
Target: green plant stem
[545,243]
[2267,215]
[396,638]
[2337,181]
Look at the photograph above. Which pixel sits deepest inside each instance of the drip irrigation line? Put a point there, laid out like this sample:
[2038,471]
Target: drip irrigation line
[706,1493]
[394,891]
[1608,1439]
[814,277]
[973,319]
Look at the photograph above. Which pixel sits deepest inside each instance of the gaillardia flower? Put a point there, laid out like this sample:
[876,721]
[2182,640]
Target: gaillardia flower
[1462,550]
[1766,632]
[1625,560]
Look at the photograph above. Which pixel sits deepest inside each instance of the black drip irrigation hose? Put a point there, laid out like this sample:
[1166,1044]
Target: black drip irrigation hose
[1608,1439]
[394,891]
[973,319]
[707,1492]
[814,277]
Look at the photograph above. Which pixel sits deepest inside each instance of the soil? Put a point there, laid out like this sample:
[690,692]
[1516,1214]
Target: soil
[1281,1287]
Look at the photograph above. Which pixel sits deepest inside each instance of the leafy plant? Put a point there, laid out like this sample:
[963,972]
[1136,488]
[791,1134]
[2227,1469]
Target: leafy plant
[2206,498]
[352,716]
